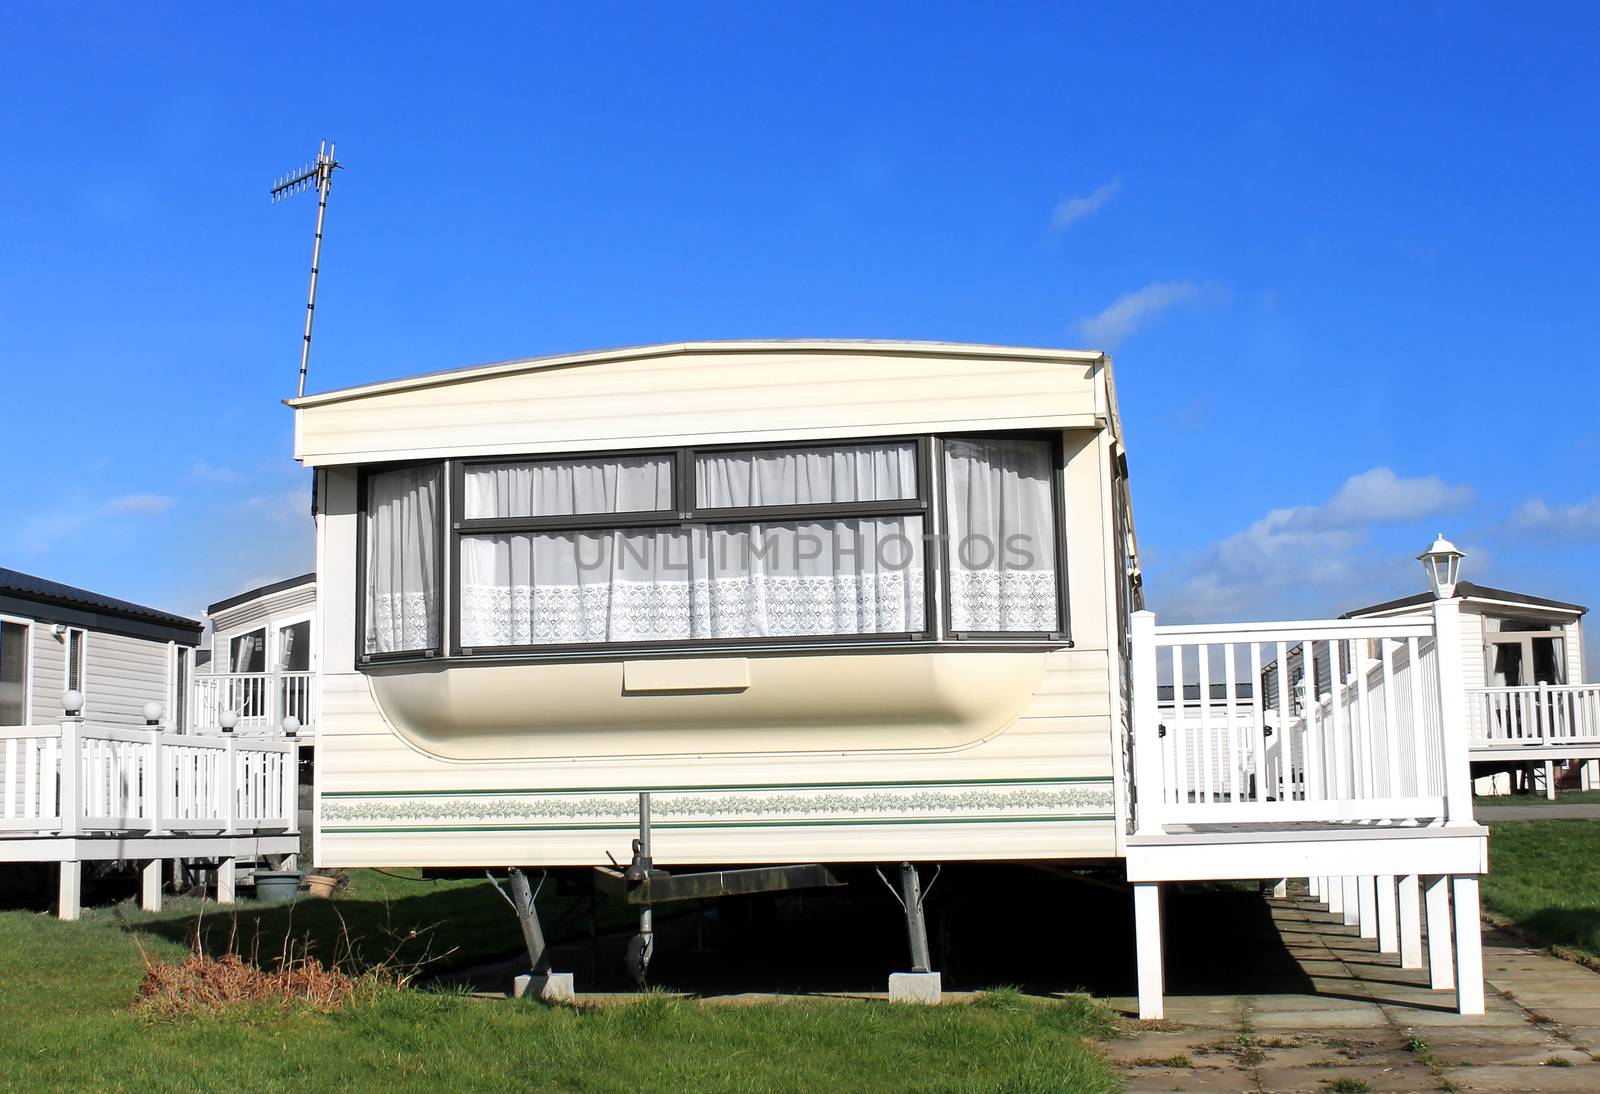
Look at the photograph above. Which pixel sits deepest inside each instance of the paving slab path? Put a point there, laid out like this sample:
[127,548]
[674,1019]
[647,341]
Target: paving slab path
[1353,1014]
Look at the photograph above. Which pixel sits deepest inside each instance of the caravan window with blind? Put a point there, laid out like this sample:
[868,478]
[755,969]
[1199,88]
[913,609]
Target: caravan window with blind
[814,542]
[13,673]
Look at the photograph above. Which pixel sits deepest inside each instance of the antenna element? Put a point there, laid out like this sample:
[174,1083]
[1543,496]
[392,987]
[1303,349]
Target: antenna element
[319,175]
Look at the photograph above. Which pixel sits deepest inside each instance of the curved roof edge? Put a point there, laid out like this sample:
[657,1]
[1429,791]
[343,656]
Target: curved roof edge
[18,586]
[665,349]
[1469,591]
[263,590]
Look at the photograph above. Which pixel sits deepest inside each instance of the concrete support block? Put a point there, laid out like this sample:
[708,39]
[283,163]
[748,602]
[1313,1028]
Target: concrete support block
[150,886]
[915,987]
[551,987]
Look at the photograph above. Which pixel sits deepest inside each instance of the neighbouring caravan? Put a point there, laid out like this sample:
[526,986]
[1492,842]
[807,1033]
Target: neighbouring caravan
[118,656]
[755,612]
[263,664]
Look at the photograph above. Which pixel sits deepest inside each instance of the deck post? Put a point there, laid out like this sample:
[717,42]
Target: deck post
[1333,894]
[1314,887]
[1469,945]
[155,789]
[1147,944]
[1280,888]
[1410,922]
[1351,899]
[1367,905]
[150,885]
[1441,955]
[69,799]
[1550,779]
[225,880]
[69,901]
[1388,916]
[1452,711]
[1148,783]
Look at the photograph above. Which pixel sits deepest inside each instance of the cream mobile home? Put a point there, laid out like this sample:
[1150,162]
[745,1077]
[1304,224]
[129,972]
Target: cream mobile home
[825,603]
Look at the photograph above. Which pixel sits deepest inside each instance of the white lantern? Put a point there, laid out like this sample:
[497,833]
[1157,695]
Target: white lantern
[227,720]
[72,702]
[1442,563]
[153,712]
[291,725]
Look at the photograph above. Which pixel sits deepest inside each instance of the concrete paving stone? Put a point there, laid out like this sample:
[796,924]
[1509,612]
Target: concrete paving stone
[1390,1080]
[1156,1046]
[1504,1079]
[1587,1036]
[1354,1017]
[1449,1019]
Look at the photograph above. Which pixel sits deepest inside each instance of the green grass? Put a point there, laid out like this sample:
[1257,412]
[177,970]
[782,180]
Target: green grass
[1563,797]
[1544,877]
[65,1022]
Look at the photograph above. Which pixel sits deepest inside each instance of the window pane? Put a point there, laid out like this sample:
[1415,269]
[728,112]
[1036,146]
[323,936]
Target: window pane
[853,576]
[294,647]
[13,674]
[801,476]
[554,488]
[1000,511]
[402,533]
[248,652]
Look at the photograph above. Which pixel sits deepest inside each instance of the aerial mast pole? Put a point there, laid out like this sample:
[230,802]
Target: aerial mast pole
[320,175]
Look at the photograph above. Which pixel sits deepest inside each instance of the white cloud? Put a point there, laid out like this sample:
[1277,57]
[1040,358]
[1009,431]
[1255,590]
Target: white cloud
[1071,210]
[1131,310]
[1309,558]
[144,505]
[1580,520]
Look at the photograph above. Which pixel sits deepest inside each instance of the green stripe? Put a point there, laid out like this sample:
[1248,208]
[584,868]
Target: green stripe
[718,786]
[632,827]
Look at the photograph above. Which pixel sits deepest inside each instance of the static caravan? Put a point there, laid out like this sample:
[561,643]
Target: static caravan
[744,613]
[118,656]
[263,666]
[1531,716]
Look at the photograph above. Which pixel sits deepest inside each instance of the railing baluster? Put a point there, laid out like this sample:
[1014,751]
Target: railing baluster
[1180,727]
[1206,744]
[1285,733]
[1258,724]
[1230,730]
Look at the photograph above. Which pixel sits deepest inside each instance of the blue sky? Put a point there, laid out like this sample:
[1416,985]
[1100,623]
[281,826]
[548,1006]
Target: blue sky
[1347,262]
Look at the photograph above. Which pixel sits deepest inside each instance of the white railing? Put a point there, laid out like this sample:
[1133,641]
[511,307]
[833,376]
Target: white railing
[1538,716]
[1356,721]
[78,780]
[260,699]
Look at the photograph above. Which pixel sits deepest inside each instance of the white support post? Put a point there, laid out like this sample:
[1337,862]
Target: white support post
[291,788]
[1148,784]
[1388,916]
[155,784]
[1410,900]
[1280,890]
[225,881]
[1550,779]
[69,901]
[230,787]
[1469,945]
[1351,899]
[1367,901]
[1333,893]
[1452,711]
[71,796]
[150,885]
[1314,887]
[1441,952]
[1147,944]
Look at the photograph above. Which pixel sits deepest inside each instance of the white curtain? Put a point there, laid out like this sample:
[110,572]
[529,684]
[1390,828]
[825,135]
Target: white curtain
[800,476]
[247,650]
[548,488]
[852,575]
[1001,518]
[402,603]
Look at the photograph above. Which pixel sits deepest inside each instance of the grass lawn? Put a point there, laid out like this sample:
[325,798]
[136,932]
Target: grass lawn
[65,1022]
[1564,797]
[1544,876]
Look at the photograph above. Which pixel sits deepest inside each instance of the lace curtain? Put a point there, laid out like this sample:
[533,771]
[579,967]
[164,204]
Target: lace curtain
[851,575]
[402,609]
[628,484]
[1001,518]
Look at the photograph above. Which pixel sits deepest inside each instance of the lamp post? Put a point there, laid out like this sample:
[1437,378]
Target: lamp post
[1442,563]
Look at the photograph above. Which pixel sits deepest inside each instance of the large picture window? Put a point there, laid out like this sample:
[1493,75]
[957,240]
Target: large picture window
[401,534]
[819,542]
